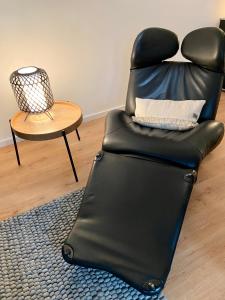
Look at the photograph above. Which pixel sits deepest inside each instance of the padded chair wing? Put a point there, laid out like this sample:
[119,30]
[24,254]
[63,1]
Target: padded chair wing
[185,148]
[152,46]
[205,47]
[200,80]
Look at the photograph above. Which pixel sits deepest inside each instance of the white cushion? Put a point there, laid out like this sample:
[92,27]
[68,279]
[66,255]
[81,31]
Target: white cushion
[165,123]
[184,110]
[168,114]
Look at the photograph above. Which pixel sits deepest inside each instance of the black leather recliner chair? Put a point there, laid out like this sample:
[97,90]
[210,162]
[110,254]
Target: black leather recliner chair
[141,181]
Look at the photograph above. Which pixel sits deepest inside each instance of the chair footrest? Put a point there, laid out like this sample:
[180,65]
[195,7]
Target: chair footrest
[130,219]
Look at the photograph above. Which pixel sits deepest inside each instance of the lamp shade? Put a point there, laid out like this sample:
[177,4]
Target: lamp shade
[32,89]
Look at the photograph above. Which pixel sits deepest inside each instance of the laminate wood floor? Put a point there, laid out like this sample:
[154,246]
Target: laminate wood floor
[198,269]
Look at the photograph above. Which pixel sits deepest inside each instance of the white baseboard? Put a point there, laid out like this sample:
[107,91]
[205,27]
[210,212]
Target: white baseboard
[100,114]
[5,142]
[8,141]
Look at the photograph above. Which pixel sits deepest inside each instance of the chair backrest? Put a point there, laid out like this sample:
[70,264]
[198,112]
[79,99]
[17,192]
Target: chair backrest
[152,77]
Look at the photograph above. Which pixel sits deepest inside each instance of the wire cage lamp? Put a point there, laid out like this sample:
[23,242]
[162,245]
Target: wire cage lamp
[32,90]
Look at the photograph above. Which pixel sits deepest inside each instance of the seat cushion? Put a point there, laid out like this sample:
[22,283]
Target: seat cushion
[185,148]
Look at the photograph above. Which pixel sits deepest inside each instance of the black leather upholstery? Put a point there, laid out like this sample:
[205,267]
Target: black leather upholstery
[186,148]
[201,80]
[130,220]
[205,47]
[138,191]
[152,46]
[176,81]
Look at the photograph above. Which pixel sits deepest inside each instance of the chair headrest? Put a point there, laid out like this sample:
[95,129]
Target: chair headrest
[205,47]
[152,46]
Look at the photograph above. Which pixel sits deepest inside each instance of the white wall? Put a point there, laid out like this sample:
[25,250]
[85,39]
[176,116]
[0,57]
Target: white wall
[85,45]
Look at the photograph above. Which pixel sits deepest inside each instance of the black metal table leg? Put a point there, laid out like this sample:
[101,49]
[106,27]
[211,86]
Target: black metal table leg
[15,144]
[70,155]
[78,136]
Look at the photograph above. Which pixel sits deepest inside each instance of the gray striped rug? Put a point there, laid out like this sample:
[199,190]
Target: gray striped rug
[31,264]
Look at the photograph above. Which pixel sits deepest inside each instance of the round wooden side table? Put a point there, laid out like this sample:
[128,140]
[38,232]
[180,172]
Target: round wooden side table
[63,118]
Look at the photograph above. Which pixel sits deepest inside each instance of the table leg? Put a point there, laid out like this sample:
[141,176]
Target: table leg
[70,155]
[15,144]
[78,136]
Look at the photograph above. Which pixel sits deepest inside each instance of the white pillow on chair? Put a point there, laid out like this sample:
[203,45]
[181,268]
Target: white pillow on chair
[168,114]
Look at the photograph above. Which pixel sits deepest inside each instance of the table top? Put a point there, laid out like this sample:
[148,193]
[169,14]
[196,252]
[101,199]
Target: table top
[67,116]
